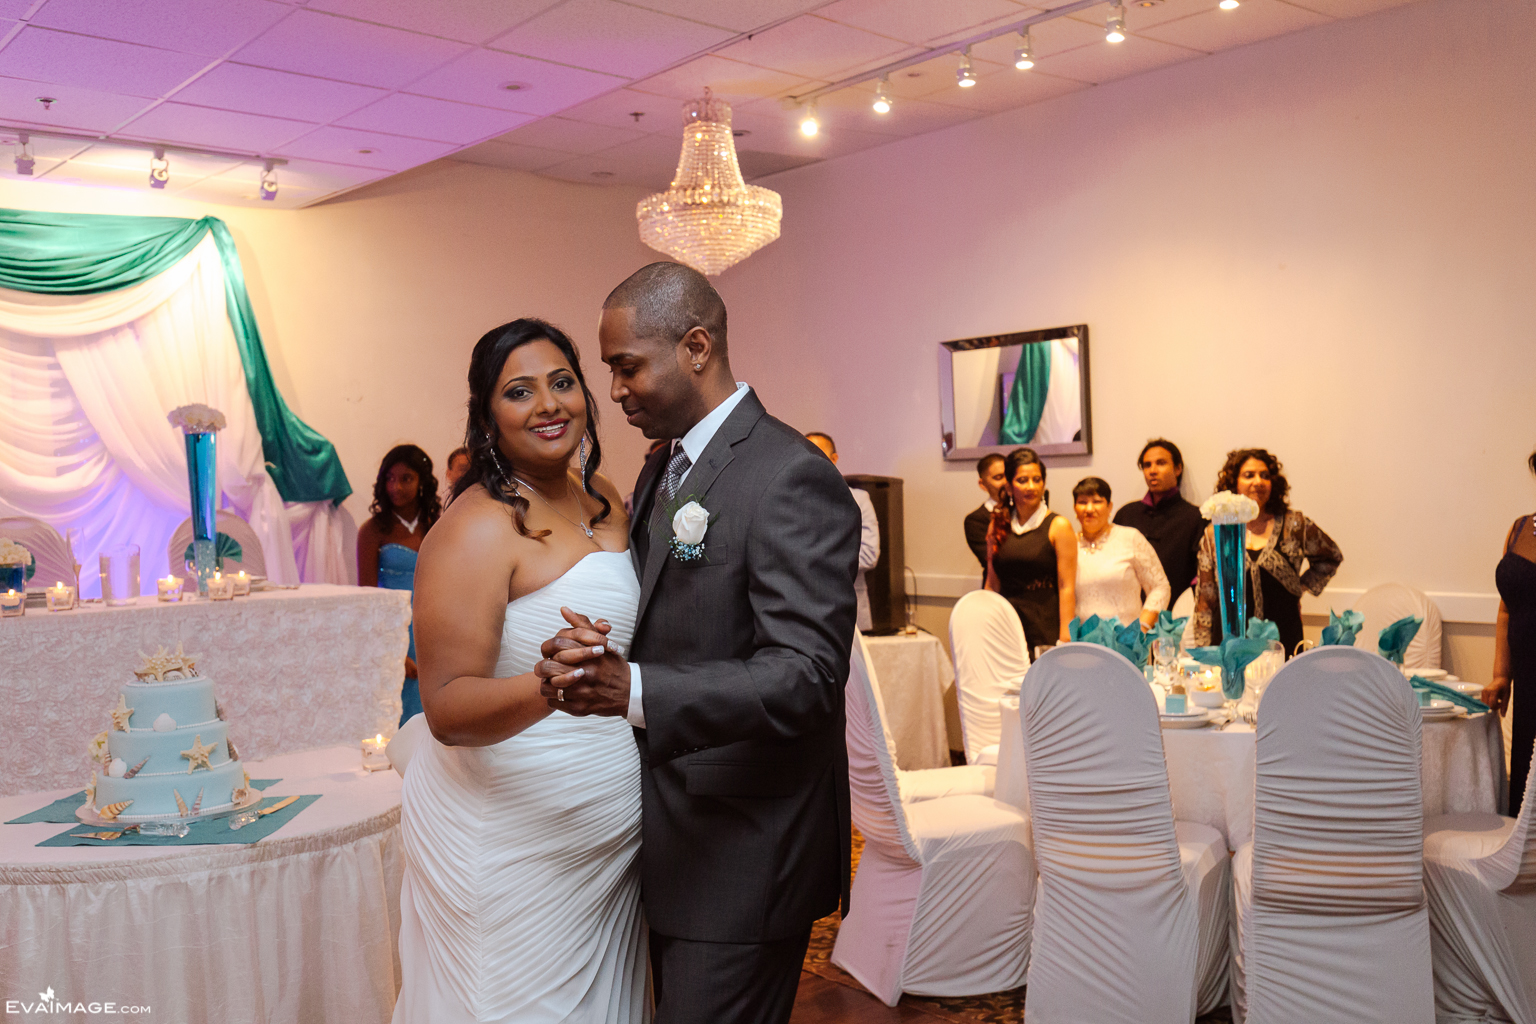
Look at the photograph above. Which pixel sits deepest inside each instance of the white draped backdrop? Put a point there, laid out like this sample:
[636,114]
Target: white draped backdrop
[86,382]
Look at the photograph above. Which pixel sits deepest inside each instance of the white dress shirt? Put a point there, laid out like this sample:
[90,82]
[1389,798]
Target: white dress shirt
[869,554]
[694,442]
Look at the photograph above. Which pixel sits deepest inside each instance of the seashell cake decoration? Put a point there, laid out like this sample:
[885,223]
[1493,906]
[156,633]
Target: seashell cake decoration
[163,666]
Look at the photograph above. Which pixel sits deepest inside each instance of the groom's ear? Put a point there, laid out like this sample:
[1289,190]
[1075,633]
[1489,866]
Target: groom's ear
[696,348]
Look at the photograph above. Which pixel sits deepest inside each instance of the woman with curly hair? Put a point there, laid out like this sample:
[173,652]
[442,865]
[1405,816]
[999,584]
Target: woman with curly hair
[1279,542]
[405,505]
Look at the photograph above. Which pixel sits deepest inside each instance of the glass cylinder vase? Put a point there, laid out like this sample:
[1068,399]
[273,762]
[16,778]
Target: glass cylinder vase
[1231,568]
[203,485]
[13,577]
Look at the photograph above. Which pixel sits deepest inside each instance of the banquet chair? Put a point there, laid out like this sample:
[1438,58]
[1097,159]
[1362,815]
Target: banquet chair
[1131,921]
[55,562]
[251,558]
[990,661]
[1480,878]
[1330,921]
[1384,604]
[942,898]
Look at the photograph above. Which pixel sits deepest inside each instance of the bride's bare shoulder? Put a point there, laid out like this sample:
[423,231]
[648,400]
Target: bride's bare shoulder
[474,524]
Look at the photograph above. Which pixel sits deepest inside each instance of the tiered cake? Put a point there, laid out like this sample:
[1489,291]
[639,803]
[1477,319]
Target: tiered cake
[168,753]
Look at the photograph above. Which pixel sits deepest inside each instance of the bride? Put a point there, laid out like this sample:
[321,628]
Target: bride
[521,828]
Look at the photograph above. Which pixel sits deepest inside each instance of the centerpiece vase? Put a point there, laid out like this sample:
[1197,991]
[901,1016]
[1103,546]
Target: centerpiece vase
[202,483]
[1230,572]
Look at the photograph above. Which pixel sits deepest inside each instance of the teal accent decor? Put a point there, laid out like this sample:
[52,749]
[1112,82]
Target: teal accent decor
[1263,629]
[1342,629]
[1428,690]
[85,254]
[1231,592]
[1234,656]
[1392,642]
[225,546]
[1026,400]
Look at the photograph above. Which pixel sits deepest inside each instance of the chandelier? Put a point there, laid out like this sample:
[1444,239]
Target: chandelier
[709,218]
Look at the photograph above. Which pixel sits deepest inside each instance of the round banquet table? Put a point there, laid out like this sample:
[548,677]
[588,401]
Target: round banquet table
[913,674]
[1211,771]
[300,926]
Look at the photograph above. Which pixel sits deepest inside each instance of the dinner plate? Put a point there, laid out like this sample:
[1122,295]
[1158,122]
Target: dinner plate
[1191,713]
[1432,674]
[1186,721]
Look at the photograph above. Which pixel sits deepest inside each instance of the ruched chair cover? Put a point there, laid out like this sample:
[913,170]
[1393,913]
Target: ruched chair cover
[55,564]
[238,530]
[991,658]
[1384,604]
[1131,918]
[942,898]
[1330,921]
[1480,877]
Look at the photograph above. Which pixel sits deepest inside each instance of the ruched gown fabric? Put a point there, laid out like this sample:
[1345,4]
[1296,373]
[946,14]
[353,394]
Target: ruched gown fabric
[521,899]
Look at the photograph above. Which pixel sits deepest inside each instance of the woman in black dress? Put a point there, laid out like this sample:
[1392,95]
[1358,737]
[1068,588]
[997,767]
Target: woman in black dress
[1032,554]
[1514,651]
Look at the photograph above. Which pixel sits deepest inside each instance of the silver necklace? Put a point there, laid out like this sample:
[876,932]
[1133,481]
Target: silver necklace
[410,525]
[1097,543]
[583,527]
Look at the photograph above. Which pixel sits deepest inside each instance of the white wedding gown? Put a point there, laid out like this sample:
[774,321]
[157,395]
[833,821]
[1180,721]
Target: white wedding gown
[521,899]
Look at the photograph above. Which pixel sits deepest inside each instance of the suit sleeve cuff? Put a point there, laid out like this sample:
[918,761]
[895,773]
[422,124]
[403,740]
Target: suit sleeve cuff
[636,715]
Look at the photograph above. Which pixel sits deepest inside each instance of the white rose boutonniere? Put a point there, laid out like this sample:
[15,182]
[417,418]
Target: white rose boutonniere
[689,524]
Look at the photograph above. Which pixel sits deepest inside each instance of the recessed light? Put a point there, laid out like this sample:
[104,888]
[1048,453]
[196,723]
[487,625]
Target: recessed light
[739,132]
[602,174]
[367,152]
[515,86]
[914,74]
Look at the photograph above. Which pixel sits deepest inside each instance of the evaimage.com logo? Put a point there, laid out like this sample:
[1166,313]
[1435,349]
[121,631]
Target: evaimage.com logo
[49,1003]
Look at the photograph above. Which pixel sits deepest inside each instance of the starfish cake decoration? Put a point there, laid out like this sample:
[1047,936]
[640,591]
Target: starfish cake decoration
[121,714]
[163,665]
[198,755]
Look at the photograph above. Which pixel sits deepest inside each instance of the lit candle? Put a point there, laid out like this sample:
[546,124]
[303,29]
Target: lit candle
[13,602]
[170,589]
[221,587]
[61,598]
[242,584]
[374,757]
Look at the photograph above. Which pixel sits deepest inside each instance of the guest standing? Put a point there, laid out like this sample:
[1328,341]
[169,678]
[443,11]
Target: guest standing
[990,478]
[1276,544]
[1514,652]
[1169,523]
[1115,564]
[405,505]
[457,464]
[1032,553]
[869,537]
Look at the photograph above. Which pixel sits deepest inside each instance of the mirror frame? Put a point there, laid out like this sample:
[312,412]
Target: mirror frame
[947,350]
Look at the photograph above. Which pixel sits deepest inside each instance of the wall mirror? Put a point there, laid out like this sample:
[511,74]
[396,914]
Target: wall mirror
[1028,388]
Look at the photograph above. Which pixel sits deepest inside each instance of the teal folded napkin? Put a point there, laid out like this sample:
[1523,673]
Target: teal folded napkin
[1393,641]
[207,832]
[1127,640]
[1443,692]
[224,546]
[1263,629]
[1169,628]
[1134,643]
[1091,630]
[62,810]
[1342,629]
[1233,655]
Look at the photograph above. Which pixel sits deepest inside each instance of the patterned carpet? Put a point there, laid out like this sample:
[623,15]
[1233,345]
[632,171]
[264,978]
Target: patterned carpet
[994,1008]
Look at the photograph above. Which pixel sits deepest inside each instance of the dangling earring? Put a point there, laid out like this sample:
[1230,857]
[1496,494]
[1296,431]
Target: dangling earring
[582,458]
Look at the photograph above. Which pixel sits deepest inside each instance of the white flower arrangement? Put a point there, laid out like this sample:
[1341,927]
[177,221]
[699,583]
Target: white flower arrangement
[98,750]
[196,419]
[1227,508]
[12,553]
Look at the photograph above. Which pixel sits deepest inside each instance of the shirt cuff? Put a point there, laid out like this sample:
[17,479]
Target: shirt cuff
[636,715]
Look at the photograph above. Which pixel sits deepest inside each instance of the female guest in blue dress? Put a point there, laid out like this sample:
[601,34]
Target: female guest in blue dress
[405,505]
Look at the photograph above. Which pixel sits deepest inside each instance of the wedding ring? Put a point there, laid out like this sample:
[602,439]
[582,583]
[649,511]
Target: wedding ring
[560,694]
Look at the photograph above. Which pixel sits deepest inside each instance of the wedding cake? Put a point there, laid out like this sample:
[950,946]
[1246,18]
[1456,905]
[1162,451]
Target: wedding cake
[168,752]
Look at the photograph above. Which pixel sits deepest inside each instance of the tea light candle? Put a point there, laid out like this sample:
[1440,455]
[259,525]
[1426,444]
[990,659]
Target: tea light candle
[242,584]
[221,587]
[61,598]
[374,758]
[13,602]
[170,589]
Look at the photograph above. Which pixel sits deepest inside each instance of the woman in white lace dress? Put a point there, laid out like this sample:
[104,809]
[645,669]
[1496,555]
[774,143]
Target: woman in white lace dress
[1115,564]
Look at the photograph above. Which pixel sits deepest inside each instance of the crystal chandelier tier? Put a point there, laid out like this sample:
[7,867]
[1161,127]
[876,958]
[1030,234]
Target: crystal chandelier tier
[709,218]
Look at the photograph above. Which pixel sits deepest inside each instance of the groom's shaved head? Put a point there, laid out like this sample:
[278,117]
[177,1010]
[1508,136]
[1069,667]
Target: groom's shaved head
[670,300]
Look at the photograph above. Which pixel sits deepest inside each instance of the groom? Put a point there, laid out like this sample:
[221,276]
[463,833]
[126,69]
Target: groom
[739,657]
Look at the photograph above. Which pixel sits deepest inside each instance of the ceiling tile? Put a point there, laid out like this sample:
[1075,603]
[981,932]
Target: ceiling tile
[206,27]
[312,43]
[934,79]
[1105,62]
[813,47]
[323,177]
[63,58]
[1143,14]
[1047,38]
[731,80]
[185,166]
[778,131]
[850,108]
[73,107]
[15,8]
[618,108]
[207,126]
[571,137]
[1218,30]
[604,35]
[277,93]
[47,153]
[470,21]
[650,161]
[346,146]
[736,15]
[479,77]
[922,21]
[1347,8]
[423,118]
[503,154]
[1008,89]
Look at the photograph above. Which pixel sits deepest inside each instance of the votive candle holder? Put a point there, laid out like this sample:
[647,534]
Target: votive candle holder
[13,603]
[61,597]
[169,589]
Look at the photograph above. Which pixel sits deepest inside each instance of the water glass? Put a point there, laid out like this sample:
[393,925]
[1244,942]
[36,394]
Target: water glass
[120,575]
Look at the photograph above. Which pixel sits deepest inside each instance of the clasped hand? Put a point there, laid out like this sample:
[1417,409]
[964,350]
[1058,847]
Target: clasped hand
[582,672]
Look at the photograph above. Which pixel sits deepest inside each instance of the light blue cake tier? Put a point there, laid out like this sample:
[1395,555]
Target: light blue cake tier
[153,797]
[164,748]
[188,701]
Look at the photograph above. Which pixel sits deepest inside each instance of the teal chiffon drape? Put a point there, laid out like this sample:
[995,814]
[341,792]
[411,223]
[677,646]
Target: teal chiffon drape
[1026,400]
[83,254]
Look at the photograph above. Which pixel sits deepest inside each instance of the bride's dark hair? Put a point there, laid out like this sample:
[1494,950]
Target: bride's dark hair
[488,466]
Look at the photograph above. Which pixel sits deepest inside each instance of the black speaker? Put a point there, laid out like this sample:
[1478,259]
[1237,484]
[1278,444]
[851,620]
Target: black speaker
[887,581]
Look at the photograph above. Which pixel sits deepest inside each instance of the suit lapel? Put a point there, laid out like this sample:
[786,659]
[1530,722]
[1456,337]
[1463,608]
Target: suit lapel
[645,497]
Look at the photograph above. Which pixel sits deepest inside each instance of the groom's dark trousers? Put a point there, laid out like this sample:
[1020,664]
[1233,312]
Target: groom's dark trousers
[743,655]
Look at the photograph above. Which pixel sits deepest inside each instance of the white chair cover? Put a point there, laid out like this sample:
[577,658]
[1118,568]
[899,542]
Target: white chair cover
[1330,922]
[251,558]
[991,658]
[1480,877]
[942,899]
[1132,912]
[1384,604]
[55,563]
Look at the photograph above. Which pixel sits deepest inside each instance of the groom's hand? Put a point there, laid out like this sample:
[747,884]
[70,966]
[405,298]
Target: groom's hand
[582,672]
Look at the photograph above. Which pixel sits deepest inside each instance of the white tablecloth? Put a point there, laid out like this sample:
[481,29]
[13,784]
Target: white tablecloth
[293,670]
[300,926]
[1211,771]
[914,673]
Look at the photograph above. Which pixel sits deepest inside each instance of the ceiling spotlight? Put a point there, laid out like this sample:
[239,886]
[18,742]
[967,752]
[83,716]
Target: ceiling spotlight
[159,169]
[1024,56]
[882,102]
[1228,5]
[24,159]
[809,126]
[269,181]
[1114,28]
[965,74]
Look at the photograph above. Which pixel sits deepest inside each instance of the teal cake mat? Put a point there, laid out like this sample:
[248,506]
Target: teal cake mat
[62,811]
[210,831]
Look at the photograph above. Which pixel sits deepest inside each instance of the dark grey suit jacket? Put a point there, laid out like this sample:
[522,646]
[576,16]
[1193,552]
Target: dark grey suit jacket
[744,655]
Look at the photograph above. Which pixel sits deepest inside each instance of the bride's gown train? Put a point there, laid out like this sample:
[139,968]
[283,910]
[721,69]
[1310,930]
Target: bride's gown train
[521,899]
